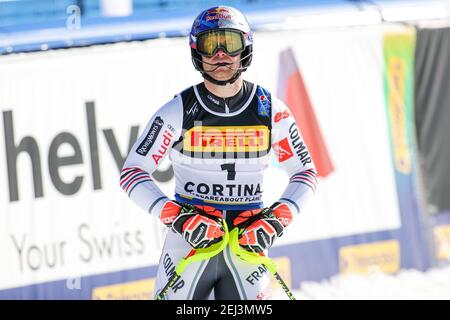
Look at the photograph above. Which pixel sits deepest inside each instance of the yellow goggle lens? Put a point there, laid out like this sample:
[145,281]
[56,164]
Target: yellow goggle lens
[232,42]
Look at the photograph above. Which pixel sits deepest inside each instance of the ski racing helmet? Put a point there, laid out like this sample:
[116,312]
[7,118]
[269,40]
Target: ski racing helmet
[221,27]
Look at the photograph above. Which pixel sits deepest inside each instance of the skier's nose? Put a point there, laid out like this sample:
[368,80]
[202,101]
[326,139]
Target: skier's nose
[220,53]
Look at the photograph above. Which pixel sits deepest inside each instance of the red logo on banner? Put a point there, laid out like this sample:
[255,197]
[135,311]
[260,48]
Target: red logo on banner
[282,149]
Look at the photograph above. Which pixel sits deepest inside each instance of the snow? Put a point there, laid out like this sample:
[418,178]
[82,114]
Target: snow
[433,284]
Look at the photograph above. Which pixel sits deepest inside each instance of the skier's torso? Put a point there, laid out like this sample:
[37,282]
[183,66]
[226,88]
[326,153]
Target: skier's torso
[223,148]
[219,149]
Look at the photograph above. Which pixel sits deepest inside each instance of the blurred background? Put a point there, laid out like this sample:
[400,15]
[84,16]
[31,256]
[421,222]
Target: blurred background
[368,82]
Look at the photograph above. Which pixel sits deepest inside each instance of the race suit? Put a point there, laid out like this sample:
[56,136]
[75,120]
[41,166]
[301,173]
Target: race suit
[219,148]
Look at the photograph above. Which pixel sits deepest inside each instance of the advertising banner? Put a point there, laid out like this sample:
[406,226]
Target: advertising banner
[69,117]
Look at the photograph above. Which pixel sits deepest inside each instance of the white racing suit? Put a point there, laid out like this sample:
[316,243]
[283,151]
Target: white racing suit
[219,150]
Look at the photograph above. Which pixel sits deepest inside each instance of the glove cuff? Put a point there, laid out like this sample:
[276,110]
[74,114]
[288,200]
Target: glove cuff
[169,212]
[282,212]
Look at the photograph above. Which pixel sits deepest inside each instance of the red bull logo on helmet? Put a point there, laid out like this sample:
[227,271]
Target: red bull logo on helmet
[219,13]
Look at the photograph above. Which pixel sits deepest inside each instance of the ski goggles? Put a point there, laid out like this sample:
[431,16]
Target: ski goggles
[231,41]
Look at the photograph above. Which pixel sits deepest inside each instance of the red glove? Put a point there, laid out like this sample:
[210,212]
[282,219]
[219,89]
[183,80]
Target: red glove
[200,226]
[169,212]
[283,213]
[261,227]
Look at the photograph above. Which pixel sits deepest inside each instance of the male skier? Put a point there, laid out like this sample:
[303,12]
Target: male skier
[218,135]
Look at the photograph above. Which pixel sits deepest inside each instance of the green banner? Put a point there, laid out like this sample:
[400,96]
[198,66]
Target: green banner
[399,95]
[399,55]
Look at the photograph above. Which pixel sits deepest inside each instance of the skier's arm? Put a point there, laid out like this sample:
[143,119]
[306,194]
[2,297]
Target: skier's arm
[147,153]
[294,157]
[263,227]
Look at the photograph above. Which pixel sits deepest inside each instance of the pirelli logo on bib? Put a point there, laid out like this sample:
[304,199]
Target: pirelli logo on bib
[208,139]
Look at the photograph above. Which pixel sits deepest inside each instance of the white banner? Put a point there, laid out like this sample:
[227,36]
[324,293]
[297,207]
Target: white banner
[343,73]
[68,116]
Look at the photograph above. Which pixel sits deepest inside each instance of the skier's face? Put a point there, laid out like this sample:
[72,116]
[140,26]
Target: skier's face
[224,72]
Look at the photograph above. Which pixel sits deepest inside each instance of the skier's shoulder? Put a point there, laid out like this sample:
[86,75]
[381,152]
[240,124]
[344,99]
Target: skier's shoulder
[179,99]
[188,96]
[171,110]
[188,92]
[260,89]
[265,96]
[173,106]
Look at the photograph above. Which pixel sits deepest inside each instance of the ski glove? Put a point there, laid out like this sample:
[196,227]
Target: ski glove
[200,226]
[261,227]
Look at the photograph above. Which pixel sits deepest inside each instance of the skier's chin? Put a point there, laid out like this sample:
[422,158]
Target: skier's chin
[222,74]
